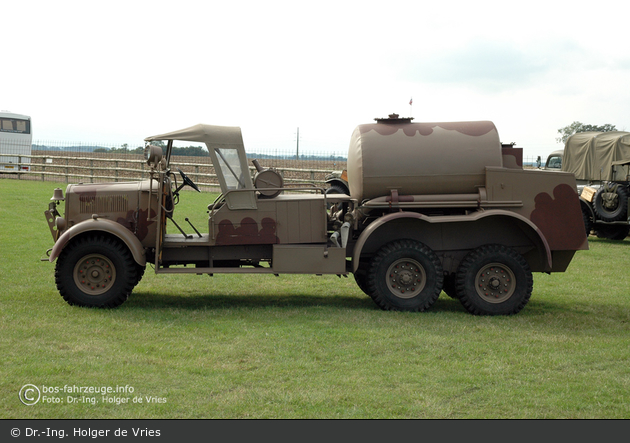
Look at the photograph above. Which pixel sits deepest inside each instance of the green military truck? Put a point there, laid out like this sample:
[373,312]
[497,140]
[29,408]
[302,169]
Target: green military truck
[600,162]
[431,207]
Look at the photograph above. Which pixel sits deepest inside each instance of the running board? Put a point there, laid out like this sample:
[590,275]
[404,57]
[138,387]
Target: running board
[235,270]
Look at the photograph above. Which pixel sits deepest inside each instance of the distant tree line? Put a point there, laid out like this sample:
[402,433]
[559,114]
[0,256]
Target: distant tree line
[191,151]
[293,157]
[576,127]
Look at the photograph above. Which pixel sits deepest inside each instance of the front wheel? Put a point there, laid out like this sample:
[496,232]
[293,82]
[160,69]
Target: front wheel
[494,280]
[337,189]
[360,277]
[612,232]
[96,271]
[405,275]
[139,273]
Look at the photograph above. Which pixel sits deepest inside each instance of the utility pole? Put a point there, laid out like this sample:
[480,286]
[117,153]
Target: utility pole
[297,147]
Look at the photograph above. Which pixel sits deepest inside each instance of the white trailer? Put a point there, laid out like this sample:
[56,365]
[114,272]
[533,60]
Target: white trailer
[15,142]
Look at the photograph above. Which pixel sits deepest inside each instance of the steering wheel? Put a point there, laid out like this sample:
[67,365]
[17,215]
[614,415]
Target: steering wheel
[187,181]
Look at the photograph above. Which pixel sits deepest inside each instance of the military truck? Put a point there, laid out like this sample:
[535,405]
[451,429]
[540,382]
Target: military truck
[554,160]
[337,182]
[431,207]
[600,162]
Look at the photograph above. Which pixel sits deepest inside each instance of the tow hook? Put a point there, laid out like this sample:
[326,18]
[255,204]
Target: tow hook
[47,258]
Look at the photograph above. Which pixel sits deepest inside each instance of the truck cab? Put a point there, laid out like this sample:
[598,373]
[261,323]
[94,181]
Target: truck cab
[554,160]
[256,225]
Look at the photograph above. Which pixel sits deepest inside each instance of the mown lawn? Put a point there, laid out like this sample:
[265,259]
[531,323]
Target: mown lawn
[234,346]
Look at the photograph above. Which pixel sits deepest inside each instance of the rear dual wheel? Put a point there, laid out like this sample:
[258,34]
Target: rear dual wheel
[494,280]
[404,275]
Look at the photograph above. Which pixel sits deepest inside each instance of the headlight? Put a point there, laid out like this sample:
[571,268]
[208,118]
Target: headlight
[60,223]
[153,155]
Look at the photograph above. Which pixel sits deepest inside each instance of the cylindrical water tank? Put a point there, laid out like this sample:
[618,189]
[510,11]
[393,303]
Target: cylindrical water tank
[421,158]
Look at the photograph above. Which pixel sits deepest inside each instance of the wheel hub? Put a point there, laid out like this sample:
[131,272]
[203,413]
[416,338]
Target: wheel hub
[495,283]
[94,274]
[406,278]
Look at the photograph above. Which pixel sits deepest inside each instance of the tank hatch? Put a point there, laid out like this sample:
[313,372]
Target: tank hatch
[394,118]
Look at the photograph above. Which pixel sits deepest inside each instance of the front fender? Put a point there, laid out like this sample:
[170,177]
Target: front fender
[101,225]
[365,235]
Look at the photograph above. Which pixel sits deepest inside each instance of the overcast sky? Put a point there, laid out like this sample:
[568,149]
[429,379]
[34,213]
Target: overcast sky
[119,71]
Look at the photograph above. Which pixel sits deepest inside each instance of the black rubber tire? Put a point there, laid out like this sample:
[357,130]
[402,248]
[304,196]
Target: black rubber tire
[361,277]
[494,280]
[139,273]
[405,275]
[108,265]
[620,212]
[450,286]
[588,220]
[612,232]
[337,189]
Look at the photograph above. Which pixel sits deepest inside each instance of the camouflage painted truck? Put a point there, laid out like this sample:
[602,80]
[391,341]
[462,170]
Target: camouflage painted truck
[432,207]
[600,162]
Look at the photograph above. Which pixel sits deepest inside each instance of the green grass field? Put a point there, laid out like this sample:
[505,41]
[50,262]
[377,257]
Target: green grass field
[234,346]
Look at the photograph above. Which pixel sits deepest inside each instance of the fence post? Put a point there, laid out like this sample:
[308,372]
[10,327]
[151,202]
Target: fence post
[67,178]
[116,173]
[91,171]
[43,167]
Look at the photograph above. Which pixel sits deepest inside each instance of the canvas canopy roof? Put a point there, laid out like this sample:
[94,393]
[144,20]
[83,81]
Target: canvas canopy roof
[209,134]
[590,155]
[226,149]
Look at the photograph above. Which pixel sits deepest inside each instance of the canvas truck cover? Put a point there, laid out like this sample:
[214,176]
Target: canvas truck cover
[590,155]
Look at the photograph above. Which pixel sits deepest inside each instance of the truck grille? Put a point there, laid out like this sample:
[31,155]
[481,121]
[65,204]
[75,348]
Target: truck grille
[103,204]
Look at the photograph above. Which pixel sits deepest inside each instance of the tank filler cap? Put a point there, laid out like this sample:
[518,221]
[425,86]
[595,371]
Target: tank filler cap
[394,118]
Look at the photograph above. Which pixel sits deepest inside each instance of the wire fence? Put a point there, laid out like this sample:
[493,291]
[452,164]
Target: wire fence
[92,163]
